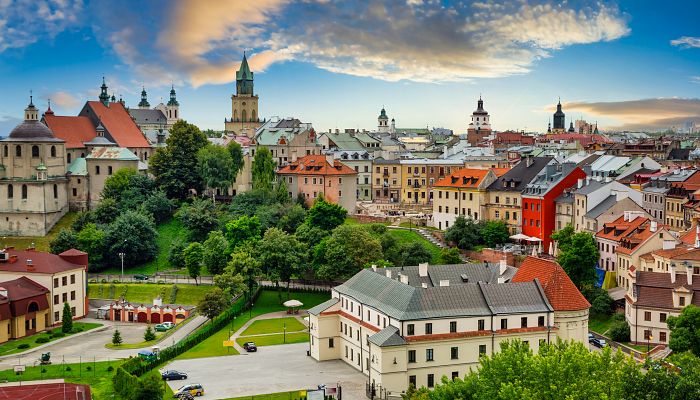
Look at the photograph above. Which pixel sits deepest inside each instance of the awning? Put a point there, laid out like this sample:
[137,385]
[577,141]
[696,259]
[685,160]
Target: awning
[520,236]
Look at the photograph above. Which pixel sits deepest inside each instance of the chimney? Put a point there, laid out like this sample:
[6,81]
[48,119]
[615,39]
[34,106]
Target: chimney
[502,267]
[608,179]
[403,279]
[654,226]
[388,273]
[423,269]
[588,180]
[689,274]
[374,267]
[3,292]
[424,285]
[501,280]
[579,183]
[444,282]
[626,216]
[672,271]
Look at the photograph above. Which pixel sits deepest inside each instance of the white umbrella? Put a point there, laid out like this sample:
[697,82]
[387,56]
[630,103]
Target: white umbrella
[533,239]
[293,303]
[539,250]
[520,236]
[534,251]
[551,249]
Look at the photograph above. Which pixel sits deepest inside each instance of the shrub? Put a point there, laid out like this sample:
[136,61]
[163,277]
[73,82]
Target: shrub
[149,334]
[58,334]
[68,368]
[77,329]
[173,294]
[620,317]
[42,340]
[43,370]
[620,332]
[88,368]
[103,280]
[110,368]
[23,346]
[603,304]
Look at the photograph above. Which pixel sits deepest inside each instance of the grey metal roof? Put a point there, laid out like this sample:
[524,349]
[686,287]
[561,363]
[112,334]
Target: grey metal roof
[477,272]
[148,116]
[512,298]
[323,306]
[602,207]
[591,187]
[521,174]
[388,336]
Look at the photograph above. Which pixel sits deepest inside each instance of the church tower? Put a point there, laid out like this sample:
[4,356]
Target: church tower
[559,120]
[104,96]
[480,126]
[172,109]
[244,104]
[383,122]
[143,104]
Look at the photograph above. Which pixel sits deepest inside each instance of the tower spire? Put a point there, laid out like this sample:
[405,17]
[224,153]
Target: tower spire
[104,96]
[144,98]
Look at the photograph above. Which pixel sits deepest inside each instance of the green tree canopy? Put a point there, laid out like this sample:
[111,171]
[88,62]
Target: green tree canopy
[67,320]
[280,255]
[345,252]
[236,152]
[159,206]
[244,228]
[450,255]
[215,252]
[685,330]
[175,166]
[414,253]
[200,218]
[106,211]
[578,256]
[66,239]
[215,166]
[465,233]
[494,233]
[326,215]
[245,264]
[92,241]
[176,256]
[563,236]
[293,216]
[149,387]
[213,303]
[193,255]
[133,234]
[263,169]
[118,183]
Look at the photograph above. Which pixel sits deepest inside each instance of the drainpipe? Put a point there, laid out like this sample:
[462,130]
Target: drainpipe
[493,335]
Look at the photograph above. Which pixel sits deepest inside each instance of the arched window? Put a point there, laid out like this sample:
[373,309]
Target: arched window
[33,307]
[235,115]
[175,113]
[252,116]
[10,192]
[82,155]
[69,157]
[5,151]
[55,191]
[53,151]
[243,116]
[18,151]
[24,192]
[35,151]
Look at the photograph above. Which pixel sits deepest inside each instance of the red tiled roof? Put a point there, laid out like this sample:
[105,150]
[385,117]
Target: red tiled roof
[74,130]
[463,178]
[41,262]
[561,292]
[626,228]
[117,121]
[316,165]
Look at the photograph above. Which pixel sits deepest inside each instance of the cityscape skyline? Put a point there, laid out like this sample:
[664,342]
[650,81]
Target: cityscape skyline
[607,62]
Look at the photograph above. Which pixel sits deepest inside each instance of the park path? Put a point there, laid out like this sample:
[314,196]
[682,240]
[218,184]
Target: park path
[272,315]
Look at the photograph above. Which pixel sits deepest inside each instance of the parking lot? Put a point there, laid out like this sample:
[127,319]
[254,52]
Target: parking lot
[272,369]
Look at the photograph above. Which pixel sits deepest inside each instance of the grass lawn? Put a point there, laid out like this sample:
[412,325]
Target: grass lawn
[146,292]
[267,302]
[40,242]
[12,346]
[295,395]
[600,324]
[639,347]
[271,340]
[275,325]
[403,236]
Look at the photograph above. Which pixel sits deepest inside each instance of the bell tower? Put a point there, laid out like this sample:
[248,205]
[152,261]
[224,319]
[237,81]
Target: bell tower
[244,104]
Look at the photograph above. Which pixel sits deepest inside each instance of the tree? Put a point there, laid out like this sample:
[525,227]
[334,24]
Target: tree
[215,252]
[149,387]
[280,254]
[248,202]
[450,255]
[293,217]
[175,165]
[65,240]
[326,215]
[213,303]
[176,256]
[193,255]
[346,251]
[494,233]
[685,330]
[149,335]
[67,319]
[263,169]
[133,234]
[200,218]
[464,233]
[578,256]
[117,338]
[242,229]
[244,265]
[310,235]
[563,236]
[236,152]
[83,218]
[603,304]
[92,241]
[620,331]
[159,206]
[414,253]
[215,166]
[117,183]
[107,211]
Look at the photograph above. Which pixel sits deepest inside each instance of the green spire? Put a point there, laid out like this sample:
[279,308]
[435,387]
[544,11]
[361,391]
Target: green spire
[244,78]
[173,99]
[144,101]
[104,97]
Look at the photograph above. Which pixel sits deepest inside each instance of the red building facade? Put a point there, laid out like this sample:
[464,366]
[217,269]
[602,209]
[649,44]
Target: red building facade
[538,207]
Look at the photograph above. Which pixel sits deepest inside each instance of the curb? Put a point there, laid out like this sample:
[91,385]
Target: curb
[100,329]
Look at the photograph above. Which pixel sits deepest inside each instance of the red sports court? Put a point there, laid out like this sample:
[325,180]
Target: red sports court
[49,391]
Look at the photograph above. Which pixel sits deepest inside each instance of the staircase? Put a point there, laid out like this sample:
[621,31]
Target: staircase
[432,239]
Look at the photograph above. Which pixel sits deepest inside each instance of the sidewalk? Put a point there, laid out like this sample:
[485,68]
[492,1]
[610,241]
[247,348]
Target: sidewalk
[273,315]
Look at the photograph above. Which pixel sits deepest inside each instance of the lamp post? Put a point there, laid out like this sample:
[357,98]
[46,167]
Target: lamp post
[285,333]
[121,255]
[649,337]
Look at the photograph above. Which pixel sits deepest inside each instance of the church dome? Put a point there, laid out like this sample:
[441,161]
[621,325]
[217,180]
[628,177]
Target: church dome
[31,130]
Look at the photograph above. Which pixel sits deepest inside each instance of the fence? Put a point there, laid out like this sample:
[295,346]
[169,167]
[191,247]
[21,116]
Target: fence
[302,284]
[157,278]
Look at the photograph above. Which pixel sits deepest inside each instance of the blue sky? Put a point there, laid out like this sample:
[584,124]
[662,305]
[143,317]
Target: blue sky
[629,64]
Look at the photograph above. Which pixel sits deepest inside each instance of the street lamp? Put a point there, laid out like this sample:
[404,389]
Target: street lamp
[285,333]
[649,337]
[121,255]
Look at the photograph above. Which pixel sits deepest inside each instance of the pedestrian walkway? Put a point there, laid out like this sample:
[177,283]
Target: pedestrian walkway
[272,315]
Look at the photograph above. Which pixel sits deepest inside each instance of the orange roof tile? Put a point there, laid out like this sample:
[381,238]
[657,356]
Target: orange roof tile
[561,292]
[463,178]
[119,124]
[500,171]
[74,130]
[316,165]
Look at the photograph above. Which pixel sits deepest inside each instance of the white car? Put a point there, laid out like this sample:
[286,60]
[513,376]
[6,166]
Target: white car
[168,325]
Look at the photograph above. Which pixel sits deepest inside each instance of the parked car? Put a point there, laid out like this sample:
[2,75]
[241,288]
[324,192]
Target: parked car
[140,277]
[168,325]
[599,342]
[250,347]
[172,375]
[193,389]
[161,328]
[590,338]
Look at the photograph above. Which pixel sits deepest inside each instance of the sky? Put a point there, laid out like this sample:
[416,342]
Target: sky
[629,64]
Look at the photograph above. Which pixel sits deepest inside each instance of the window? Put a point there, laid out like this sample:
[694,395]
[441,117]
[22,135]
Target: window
[55,299]
[97,169]
[411,356]
[109,170]
[72,295]
[482,349]
[10,191]
[65,297]
[53,151]
[64,281]
[504,323]
[454,353]
[35,151]
[428,328]
[429,355]
[72,279]
[56,317]
[482,325]
[647,315]
[55,282]
[55,191]
[453,326]
[75,192]
[431,380]
[410,329]
[647,334]
[24,192]
[5,151]
[18,151]
[681,301]
[331,344]
[523,322]
[346,351]
[412,380]
[72,310]
[540,321]
[662,336]
[662,317]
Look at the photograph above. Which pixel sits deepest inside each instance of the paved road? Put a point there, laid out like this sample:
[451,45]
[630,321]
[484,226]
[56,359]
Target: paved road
[278,314]
[272,369]
[92,345]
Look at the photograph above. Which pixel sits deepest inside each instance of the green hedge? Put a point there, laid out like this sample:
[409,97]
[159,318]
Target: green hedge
[124,383]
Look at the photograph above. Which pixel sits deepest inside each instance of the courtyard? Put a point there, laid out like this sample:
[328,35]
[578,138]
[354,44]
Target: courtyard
[272,369]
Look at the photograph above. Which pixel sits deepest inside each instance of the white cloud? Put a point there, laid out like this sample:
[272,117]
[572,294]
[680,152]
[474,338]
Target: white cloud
[23,22]
[659,113]
[686,42]
[64,100]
